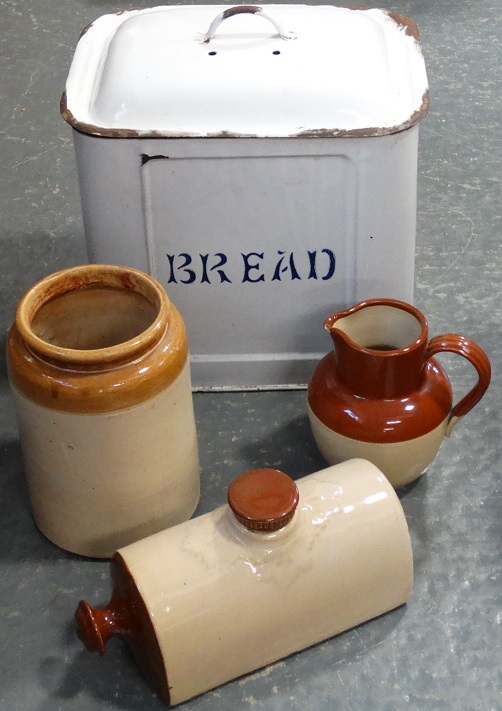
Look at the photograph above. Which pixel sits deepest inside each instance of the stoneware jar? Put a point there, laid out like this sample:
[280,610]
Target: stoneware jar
[380,394]
[279,568]
[98,365]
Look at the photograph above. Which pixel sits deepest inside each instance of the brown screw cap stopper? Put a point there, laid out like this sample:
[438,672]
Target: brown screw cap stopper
[96,626]
[263,499]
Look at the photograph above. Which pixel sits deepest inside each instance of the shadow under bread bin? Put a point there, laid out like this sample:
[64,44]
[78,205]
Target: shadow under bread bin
[98,366]
[261,163]
[282,567]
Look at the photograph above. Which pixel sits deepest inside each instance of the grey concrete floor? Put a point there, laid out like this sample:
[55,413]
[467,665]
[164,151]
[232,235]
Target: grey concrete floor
[443,649]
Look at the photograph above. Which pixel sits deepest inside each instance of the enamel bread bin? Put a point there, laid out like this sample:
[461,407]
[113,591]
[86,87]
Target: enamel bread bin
[260,163]
[283,566]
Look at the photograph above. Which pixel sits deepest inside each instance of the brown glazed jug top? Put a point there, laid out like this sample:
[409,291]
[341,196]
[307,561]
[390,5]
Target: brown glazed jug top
[263,499]
[379,347]
[381,383]
[376,385]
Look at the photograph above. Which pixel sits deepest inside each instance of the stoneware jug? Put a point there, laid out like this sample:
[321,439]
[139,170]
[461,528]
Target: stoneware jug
[98,366]
[282,566]
[380,394]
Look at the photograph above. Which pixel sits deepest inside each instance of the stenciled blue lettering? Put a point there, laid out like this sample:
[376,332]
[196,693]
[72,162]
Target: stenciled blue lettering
[215,267]
[332,264]
[172,278]
[249,267]
[280,269]
[313,264]
[191,275]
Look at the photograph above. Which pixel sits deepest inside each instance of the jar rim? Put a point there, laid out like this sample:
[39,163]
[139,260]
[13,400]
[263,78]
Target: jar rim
[92,276]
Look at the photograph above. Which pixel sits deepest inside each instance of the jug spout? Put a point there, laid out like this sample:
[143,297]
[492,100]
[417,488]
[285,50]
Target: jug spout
[344,351]
[334,326]
[330,324]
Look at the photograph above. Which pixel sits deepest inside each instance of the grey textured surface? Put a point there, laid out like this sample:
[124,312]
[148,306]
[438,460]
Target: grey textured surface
[443,649]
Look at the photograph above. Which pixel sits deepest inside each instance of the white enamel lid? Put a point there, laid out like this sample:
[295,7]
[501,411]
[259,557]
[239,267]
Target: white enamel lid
[276,71]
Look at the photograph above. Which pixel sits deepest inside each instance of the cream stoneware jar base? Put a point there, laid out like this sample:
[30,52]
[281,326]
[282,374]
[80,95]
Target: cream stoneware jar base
[103,457]
[401,462]
[99,370]
[227,593]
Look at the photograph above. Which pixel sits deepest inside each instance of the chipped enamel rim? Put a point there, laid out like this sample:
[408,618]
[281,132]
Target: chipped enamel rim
[98,43]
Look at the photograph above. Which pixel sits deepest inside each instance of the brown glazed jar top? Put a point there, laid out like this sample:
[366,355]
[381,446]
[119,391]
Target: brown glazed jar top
[263,499]
[139,349]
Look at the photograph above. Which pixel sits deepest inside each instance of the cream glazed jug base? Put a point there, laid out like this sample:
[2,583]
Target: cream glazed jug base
[401,462]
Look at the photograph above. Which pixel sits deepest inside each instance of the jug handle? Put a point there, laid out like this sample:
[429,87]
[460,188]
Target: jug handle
[461,345]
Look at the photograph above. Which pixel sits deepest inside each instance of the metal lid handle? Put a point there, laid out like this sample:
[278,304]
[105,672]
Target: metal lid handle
[240,10]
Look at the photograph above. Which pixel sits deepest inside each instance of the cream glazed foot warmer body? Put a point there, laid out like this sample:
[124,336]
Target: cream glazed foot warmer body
[283,566]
